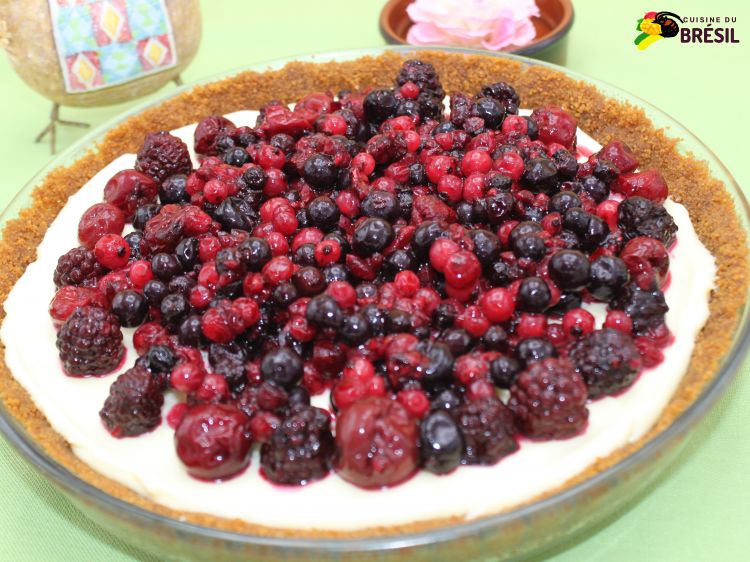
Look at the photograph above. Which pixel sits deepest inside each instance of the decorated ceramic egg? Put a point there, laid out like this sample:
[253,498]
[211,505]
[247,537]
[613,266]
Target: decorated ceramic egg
[99,52]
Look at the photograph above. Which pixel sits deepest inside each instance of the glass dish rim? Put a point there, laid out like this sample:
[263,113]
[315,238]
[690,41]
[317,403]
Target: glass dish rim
[52,469]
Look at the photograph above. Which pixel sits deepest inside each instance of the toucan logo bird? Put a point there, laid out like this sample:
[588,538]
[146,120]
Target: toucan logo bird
[656,25]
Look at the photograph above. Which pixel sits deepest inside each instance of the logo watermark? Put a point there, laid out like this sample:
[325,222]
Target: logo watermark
[654,26]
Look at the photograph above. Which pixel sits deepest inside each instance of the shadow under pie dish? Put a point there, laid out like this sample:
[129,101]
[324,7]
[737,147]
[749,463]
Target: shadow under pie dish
[631,466]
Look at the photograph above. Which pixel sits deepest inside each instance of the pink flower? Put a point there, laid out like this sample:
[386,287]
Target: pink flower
[491,24]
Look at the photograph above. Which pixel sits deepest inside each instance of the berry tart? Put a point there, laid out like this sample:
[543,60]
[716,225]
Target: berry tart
[453,284]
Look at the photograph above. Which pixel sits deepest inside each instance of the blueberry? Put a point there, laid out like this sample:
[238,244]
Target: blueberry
[444,316]
[486,245]
[143,214]
[355,329]
[165,266]
[174,308]
[173,190]
[282,366]
[441,442]
[324,312]
[371,235]
[323,213]
[381,204]
[187,252]
[534,349]
[379,106]
[608,275]
[130,307]
[160,359]
[190,331]
[304,255]
[155,291]
[533,295]
[569,269]
[491,111]
[503,370]
[255,253]
[236,156]
[254,178]
[562,201]
[540,175]
[309,281]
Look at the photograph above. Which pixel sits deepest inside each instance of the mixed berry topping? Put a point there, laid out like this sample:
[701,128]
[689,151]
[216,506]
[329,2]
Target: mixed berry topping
[431,269]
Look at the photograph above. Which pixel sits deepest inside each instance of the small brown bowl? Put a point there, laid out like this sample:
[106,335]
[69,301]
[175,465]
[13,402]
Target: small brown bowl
[552,26]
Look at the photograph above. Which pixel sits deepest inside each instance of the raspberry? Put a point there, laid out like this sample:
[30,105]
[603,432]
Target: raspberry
[487,428]
[548,400]
[608,361]
[300,450]
[213,441]
[376,443]
[133,406]
[68,298]
[163,155]
[77,267]
[90,342]
[129,189]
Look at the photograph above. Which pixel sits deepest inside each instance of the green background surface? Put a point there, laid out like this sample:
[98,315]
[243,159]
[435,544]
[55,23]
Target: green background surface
[698,511]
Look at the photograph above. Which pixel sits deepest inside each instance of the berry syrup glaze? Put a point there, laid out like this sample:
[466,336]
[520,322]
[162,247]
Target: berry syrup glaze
[487,357]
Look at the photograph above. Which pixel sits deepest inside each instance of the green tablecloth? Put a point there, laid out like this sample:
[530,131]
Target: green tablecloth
[698,511]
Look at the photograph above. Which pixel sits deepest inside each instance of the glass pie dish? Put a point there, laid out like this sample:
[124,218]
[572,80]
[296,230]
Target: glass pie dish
[528,529]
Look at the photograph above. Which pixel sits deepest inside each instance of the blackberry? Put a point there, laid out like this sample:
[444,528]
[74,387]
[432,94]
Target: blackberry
[608,361]
[77,267]
[502,92]
[487,428]
[300,450]
[133,406]
[646,308]
[229,361]
[548,400]
[90,342]
[638,216]
[442,443]
[424,75]
[163,155]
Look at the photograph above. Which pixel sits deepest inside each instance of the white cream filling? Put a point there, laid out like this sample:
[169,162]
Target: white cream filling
[149,465]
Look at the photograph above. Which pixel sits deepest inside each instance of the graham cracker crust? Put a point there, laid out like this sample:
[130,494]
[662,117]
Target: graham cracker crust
[711,210]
